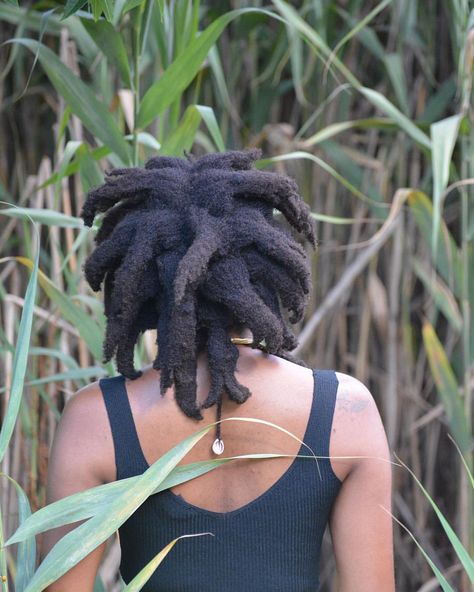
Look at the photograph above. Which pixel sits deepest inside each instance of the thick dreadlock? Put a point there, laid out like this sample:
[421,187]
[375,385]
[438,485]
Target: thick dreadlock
[191,248]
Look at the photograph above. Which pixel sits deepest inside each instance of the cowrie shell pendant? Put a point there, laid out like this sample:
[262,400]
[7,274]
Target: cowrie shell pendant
[218,446]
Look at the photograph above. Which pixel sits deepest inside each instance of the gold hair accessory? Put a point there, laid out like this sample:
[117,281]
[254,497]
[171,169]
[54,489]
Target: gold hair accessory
[242,340]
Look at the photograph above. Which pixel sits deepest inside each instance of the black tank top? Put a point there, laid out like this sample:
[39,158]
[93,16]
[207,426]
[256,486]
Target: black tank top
[271,544]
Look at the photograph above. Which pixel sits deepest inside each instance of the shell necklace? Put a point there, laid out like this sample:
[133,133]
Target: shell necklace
[218,444]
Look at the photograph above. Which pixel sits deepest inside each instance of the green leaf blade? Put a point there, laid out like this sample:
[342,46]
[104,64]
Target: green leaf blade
[145,574]
[382,103]
[111,43]
[20,358]
[26,553]
[446,385]
[88,328]
[78,543]
[182,71]
[83,102]
[443,138]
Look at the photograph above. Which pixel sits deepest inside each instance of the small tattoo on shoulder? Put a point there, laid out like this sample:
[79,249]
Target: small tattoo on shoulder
[351,404]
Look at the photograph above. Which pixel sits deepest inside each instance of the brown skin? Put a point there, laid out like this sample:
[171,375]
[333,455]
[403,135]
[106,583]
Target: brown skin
[82,456]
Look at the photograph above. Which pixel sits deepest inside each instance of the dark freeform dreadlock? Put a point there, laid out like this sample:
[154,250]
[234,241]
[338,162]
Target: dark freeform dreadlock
[191,248]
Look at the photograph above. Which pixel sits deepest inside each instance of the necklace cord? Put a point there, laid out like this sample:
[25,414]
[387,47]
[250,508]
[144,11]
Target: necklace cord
[218,418]
[218,446]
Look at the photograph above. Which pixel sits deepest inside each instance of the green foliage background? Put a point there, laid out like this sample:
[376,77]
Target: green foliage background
[367,104]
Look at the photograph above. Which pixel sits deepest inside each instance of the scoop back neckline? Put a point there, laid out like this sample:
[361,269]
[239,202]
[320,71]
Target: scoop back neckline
[181,501]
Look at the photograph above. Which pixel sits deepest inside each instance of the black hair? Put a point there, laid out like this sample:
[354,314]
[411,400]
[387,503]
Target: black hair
[190,247]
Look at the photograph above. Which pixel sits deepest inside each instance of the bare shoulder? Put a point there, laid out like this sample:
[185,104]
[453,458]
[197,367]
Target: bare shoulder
[358,430]
[86,399]
[84,415]
[83,433]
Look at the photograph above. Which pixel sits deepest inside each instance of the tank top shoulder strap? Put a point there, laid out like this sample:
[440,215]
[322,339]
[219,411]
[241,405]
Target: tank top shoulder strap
[129,458]
[322,412]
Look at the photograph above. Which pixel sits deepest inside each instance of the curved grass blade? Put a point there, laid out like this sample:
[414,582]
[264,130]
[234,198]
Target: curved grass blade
[3,559]
[70,150]
[361,24]
[73,374]
[31,20]
[145,139]
[462,553]
[130,5]
[20,357]
[448,260]
[380,102]
[377,99]
[26,554]
[324,165]
[145,574]
[73,6]
[221,83]
[182,71]
[367,35]
[89,171]
[396,73]
[444,134]
[85,504]
[78,506]
[446,385]
[209,118]
[334,219]
[296,48]
[463,460]
[183,136]
[441,294]
[342,126]
[75,166]
[85,324]
[68,360]
[78,543]
[94,115]
[45,216]
[293,19]
[111,43]
[439,576]
[13,54]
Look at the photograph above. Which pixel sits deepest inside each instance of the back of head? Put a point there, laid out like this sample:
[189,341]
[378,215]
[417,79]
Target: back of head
[190,247]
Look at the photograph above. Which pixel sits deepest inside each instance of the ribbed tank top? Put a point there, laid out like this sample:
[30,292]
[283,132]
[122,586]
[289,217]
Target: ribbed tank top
[270,544]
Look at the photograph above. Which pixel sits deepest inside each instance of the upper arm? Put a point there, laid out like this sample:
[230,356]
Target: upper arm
[77,462]
[360,525]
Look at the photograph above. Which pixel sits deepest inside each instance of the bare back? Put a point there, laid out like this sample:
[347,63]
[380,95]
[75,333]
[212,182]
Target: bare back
[282,394]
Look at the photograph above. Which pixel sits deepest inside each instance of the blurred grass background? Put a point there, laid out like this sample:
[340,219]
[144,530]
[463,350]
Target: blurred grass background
[367,104]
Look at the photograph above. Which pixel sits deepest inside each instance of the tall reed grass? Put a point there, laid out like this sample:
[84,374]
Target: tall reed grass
[369,105]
